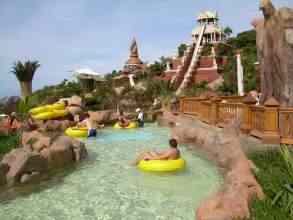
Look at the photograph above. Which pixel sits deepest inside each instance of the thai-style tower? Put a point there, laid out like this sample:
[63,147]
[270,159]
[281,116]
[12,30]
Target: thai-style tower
[132,67]
[134,63]
[193,67]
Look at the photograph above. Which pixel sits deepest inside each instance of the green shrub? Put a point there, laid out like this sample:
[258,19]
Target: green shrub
[246,43]
[7,143]
[24,106]
[275,178]
[197,89]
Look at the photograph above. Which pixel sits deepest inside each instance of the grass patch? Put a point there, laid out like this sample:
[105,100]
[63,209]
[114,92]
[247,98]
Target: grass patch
[9,142]
[273,175]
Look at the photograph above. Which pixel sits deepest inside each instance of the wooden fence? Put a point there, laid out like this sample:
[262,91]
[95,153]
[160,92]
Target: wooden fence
[271,123]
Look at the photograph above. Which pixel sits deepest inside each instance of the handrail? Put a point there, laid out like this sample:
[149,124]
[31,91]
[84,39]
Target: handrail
[193,63]
[185,62]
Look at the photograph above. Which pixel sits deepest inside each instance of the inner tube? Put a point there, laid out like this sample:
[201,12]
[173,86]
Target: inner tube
[50,115]
[39,110]
[47,108]
[44,116]
[56,106]
[162,165]
[130,126]
[76,132]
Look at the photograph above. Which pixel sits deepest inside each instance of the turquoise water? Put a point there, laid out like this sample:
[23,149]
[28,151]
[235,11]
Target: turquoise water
[106,188]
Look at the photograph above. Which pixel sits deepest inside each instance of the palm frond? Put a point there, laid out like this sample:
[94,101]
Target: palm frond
[25,71]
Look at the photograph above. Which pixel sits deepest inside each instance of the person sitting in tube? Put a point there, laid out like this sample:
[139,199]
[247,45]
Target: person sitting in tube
[172,153]
[123,122]
[85,121]
[140,118]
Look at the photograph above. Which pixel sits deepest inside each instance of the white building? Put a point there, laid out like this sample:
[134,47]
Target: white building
[213,32]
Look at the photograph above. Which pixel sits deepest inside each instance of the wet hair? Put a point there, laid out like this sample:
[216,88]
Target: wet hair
[84,116]
[65,103]
[173,143]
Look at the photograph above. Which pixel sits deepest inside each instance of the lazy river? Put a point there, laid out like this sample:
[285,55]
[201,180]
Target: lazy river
[106,187]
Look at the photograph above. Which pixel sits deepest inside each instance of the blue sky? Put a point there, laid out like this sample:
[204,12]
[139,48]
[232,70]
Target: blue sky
[65,34]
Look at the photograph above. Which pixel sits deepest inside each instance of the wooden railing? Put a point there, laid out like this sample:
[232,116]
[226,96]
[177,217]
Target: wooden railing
[205,111]
[257,121]
[286,125]
[229,112]
[271,123]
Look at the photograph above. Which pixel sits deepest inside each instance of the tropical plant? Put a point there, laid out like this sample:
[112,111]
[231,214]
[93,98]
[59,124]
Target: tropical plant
[181,49]
[246,43]
[23,107]
[275,176]
[284,197]
[197,89]
[25,72]
[9,142]
[228,31]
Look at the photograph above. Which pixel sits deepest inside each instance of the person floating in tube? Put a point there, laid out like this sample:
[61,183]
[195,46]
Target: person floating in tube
[140,118]
[85,121]
[172,153]
[123,122]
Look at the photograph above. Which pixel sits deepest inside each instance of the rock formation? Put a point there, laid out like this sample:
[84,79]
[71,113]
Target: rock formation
[223,147]
[104,117]
[275,52]
[39,154]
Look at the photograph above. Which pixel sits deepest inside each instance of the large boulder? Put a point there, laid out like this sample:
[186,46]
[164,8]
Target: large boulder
[75,105]
[35,141]
[3,171]
[107,116]
[33,177]
[21,161]
[56,125]
[64,151]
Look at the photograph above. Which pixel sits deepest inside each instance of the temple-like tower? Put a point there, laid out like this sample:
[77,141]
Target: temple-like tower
[134,63]
[213,33]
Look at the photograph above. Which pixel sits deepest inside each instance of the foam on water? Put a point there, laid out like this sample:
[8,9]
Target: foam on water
[106,188]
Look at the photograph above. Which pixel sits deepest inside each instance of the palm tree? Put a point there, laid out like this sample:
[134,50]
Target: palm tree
[228,31]
[25,72]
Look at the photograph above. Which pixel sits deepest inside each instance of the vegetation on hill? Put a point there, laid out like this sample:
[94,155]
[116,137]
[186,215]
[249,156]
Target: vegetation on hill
[245,42]
[181,49]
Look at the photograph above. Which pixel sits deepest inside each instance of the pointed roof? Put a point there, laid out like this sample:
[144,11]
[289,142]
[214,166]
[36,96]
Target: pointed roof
[134,55]
[208,14]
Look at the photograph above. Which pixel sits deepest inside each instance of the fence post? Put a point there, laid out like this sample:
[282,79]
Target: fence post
[271,133]
[248,101]
[201,108]
[215,110]
[181,104]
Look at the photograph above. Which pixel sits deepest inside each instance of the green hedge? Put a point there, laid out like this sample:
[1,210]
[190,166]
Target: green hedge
[9,142]
[273,175]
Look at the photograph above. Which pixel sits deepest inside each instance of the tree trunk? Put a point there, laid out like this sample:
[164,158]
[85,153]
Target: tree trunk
[26,88]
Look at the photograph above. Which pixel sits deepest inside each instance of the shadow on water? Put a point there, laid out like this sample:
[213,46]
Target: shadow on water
[52,179]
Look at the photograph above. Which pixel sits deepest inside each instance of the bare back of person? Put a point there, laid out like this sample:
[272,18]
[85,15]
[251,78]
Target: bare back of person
[171,153]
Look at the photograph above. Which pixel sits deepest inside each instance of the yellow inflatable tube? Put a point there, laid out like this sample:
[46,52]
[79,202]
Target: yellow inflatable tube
[76,132]
[56,106]
[39,110]
[50,115]
[47,108]
[161,165]
[131,125]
